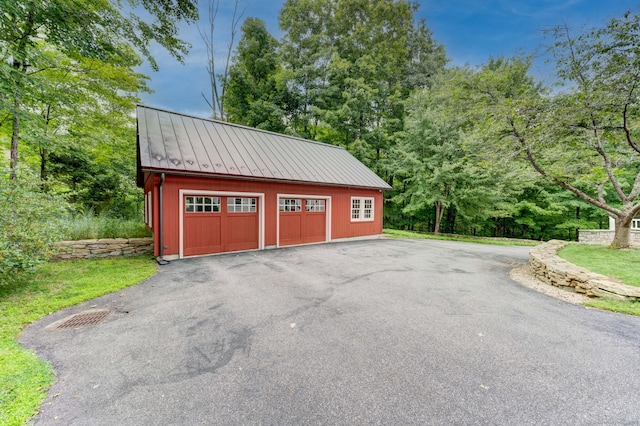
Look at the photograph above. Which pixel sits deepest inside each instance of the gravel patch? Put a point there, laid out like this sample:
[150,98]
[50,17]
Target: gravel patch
[522,274]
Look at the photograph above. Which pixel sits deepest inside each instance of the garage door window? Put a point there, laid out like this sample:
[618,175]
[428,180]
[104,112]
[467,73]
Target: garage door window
[361,209]
[290,205]
[202,204]
[238,205]
[314,205]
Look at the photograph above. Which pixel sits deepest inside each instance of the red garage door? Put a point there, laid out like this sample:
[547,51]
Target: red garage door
[219,224]
[302,220]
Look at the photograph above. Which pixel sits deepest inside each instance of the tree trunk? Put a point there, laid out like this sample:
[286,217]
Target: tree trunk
[15,136]
[439,213]
[44,154]
[622,234]
[21,67]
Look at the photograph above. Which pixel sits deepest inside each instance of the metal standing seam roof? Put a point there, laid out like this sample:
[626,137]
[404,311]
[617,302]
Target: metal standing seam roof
[174,142]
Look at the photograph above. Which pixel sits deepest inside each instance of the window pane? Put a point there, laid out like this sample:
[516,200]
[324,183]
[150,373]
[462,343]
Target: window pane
[239,205]
[314,205]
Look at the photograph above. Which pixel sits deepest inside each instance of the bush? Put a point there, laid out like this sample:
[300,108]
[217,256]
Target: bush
[89,226]
[29,224]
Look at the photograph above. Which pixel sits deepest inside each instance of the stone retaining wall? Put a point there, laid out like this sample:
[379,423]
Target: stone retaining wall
[104,247]
[604,237]
[550,268]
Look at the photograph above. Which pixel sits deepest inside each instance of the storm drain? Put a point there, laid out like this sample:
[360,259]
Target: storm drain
[81,319]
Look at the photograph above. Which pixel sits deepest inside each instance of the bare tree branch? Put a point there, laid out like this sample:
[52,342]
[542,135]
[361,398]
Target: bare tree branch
[208,40]
[625,127]
[635,189]
[601,191]
[531,159]
[609,168]
[218,82]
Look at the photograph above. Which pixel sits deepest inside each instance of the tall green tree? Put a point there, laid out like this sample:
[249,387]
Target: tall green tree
[351,64]
[435,158]
[77,29]
[254,96]
[80,103]
[584,138]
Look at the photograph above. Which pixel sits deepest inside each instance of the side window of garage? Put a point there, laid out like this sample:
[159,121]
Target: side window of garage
[361,209]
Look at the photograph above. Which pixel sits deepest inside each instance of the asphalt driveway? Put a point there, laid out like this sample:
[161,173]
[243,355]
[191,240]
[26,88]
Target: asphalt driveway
[374,332]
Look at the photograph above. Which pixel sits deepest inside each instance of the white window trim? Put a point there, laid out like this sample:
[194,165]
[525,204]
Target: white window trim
[361,217]
[258,195]
[148,209]
[327,211]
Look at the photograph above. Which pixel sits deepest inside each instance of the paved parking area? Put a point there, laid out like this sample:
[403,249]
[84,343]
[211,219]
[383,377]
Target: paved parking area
[371,332]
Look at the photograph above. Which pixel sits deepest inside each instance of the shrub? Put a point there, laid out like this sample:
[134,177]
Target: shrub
[87,225]
[29,224]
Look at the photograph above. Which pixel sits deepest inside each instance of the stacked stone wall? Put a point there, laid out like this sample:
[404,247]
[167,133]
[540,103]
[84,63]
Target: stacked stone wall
[547,266]
[104,247]
[604,237]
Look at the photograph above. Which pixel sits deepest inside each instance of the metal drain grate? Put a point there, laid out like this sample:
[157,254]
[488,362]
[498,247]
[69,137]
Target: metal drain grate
[81,319]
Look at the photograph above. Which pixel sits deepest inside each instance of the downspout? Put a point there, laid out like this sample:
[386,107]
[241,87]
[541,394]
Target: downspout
[159,259]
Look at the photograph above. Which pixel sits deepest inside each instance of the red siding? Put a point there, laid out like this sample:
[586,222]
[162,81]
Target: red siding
[302,227]
[341,224]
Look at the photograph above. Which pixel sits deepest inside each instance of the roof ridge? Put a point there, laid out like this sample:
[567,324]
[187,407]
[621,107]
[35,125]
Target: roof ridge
[241,126]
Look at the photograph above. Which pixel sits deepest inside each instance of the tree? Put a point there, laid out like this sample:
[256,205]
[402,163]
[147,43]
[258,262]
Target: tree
[435,158]
[218,81]
[254,96]
[80,103]
[584,138]
[351,65]
[76,29]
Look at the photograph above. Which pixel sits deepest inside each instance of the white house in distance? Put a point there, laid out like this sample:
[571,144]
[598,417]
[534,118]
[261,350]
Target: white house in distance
[635,225]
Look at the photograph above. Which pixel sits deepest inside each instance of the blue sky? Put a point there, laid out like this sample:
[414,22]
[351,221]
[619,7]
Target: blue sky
[471,31]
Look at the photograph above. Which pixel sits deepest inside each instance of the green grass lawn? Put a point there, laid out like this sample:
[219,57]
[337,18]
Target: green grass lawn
[621,264]
[395,233]
[614,305]
[24,378]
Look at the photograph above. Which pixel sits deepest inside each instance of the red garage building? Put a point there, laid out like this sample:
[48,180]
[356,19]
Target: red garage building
[212,187]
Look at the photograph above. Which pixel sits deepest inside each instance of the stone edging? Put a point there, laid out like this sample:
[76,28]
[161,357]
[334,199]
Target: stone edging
[548,267]
[104,247]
